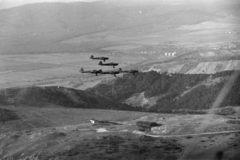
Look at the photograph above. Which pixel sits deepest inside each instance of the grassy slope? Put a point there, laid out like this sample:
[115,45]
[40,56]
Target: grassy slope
[176,92]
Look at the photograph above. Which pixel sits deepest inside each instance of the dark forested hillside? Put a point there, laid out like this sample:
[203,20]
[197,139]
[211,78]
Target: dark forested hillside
[176,92]
[58,96]
[152,83]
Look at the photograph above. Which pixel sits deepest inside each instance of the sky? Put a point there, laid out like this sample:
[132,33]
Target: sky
[14,3]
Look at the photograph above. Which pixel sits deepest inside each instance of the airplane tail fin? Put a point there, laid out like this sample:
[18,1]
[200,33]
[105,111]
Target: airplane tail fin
[91,57]
[120,69]
[100,63]
[105,58]
[81,70]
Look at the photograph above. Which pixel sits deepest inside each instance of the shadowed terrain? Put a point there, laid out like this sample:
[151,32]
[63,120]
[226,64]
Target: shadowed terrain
[171,93]
[57,96]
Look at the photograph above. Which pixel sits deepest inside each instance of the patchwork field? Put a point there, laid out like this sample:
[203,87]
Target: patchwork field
[196,67]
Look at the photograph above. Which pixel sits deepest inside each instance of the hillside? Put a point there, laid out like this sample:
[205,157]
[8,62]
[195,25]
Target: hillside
[57,97]
[7,115]
[156,92]
[79,26]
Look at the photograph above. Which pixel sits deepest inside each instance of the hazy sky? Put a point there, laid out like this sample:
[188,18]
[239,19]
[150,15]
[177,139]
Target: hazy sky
[13,3]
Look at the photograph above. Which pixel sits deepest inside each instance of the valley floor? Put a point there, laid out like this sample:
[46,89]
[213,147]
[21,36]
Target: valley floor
[53,133]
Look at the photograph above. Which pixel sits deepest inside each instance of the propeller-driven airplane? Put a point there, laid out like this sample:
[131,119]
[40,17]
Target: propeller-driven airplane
[96,72]
[99,58]
[132,71]
[112,72]
[108,64]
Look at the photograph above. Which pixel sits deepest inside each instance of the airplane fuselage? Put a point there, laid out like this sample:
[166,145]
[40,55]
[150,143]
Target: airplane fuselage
[112,72]
[96,72]
[108,64]
[99,58]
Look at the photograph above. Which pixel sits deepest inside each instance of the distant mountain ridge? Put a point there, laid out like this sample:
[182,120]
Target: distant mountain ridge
[8,4]
[42,27]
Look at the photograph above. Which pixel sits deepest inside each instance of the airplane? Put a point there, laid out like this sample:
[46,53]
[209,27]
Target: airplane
[112,72]
[131,71]
[108,64]
[91,71]
[100,58]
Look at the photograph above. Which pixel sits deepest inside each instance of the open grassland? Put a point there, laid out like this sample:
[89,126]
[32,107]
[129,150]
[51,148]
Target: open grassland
[55,69]
[32,117]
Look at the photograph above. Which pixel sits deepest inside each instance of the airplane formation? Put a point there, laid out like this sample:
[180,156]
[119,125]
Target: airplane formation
[113,72]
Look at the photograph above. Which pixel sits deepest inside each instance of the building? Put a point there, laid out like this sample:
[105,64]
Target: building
[98,122]
[146,126]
